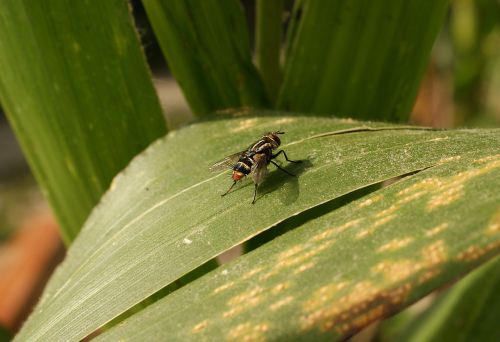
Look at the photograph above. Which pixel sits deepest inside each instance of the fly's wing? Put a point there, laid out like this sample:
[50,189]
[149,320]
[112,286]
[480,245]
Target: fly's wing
[225,163]
[259,168]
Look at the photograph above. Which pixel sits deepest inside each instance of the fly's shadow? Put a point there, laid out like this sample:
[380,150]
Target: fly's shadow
[282,181]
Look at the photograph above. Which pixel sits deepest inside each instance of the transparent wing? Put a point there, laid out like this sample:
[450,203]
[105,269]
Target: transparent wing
[225,163]
[259,168]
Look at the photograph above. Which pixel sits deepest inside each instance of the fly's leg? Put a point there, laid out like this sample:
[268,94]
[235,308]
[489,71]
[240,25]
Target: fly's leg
[254,193]
[282,169]
[229,189]
[286,157]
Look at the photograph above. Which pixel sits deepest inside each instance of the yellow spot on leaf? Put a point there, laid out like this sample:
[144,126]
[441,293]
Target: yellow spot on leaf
[387,212]
[435,254]
[475,252]
[290,251]
[494,224]
[395,244]
[280,303]
[223,287]
[244,125]
[200,326]
[336,230]
[487,159]
[395,271]
[371,229]
[449,159]
[280,287]
[436,230]
[251,273]
[362,305]
[370,201]
[249,298]
[451,188]
[248,332]
[304,267]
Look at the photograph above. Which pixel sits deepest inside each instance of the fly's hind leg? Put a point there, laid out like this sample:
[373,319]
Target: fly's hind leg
[254,193]
[224,194]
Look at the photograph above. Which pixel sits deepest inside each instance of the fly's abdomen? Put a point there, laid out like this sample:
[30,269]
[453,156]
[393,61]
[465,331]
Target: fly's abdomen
[242,167]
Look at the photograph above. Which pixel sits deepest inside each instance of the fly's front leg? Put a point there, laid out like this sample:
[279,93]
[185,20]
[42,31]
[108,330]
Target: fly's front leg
[282,169]
[286,157]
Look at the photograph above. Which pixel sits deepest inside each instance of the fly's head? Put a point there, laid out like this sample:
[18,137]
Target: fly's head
[273,138]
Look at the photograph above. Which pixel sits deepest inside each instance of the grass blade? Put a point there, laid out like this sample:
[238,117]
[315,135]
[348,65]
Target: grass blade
[359,59]
[77,92]
[207,49]
[268,44]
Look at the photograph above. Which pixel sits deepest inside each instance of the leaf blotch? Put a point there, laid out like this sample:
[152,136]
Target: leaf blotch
[475,252]
[223,287]
[437,229]
[200,326]
[395,244]
[494,225]
[395,271]
[370,201]
[248,332]
[364,304]
[280,303]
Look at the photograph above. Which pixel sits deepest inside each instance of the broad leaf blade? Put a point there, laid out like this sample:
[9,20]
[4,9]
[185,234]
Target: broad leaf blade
[359,59]
[468,311]
[164,215]
[334,275]
[207,49]
[78,94]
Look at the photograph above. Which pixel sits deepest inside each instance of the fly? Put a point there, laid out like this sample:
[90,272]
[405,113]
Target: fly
[254,161]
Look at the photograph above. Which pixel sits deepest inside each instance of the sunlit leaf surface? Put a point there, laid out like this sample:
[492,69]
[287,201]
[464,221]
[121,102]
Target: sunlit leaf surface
[338,273]
[164,216]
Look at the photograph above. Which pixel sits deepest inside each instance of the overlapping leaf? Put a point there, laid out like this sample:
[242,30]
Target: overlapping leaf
[164,216]
[336,274]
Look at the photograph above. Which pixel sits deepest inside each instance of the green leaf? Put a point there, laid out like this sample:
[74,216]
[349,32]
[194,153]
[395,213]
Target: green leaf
[163,216]
[334,275]
[268,30]
[207,49]
[468,311]
[359,59]
[77,92]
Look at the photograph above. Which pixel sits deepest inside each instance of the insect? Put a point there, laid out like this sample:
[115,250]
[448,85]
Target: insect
[254,161]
